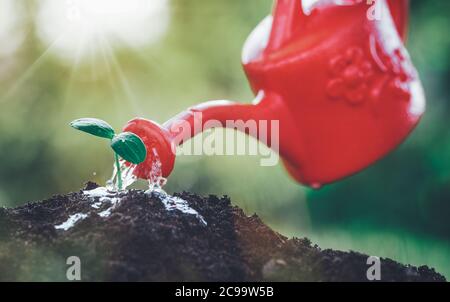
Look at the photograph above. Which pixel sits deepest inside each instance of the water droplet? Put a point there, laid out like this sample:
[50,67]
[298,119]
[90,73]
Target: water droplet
[316,186]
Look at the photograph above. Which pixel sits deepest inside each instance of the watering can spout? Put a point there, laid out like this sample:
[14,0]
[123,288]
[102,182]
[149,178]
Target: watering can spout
[246,118]
[260,119]
[267,119]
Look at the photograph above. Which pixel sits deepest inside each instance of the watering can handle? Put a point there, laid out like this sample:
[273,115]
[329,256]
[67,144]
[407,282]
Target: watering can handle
[289,16]
[400,13]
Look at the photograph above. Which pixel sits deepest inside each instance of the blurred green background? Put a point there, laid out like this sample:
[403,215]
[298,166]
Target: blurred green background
[398,208]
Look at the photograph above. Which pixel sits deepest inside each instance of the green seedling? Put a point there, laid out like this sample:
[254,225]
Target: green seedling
[126,145]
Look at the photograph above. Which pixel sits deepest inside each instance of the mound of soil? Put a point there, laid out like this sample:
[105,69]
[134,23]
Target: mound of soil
[142,241]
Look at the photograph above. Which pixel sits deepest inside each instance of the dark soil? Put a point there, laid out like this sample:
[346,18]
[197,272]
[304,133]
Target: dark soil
[142,241]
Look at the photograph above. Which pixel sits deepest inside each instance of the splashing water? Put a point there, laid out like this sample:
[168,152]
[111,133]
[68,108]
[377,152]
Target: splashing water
[104,196]
[101,196]
[171,203]
[111,195]
[128,177]
[69,223]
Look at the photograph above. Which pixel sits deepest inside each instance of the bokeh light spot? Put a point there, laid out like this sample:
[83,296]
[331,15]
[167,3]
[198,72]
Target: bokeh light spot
[75,28]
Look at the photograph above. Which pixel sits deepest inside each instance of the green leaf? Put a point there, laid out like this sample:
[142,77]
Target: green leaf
[130,147]
[94,126]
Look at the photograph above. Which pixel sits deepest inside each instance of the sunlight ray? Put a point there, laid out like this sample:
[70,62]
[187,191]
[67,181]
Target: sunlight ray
[130,96]
[30,70]
[73,71]
[144,57]
[111,80]
[110,18]
[92,57]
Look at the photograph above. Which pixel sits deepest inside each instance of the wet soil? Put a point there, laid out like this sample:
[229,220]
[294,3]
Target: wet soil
[142,241]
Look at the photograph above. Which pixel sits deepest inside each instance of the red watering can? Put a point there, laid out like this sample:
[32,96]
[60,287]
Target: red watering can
[337,78]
